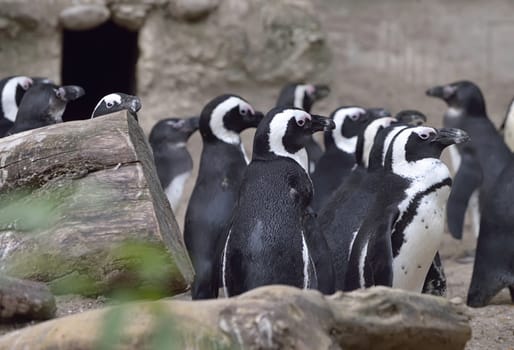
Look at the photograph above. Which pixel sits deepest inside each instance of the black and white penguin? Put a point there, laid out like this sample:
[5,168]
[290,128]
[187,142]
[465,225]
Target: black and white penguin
[12,90]
[214,195]
[464,99]
[343,213]
[117,102]
[173,162]
[303,96]
[339,158]
[507,127]
[266,242]
[417,232]
[493,266]
[42,105]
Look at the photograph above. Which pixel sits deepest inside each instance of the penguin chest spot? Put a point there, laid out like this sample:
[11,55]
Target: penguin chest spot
[421,239]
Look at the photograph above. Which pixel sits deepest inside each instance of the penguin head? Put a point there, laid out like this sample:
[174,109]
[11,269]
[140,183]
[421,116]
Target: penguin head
[302,95]
[285,131]
[44,104]
[463,97]
[173,130]
[366,139]
[416,143]
[348,121]
[224,117]
[116,102]
[411,117]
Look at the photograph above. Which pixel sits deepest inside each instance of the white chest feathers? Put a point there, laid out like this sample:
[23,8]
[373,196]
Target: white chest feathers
[175,189]
[424,212]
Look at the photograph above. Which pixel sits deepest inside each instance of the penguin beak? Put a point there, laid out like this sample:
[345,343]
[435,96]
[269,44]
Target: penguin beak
[253,119]
[70,92]
[413,118]
[321,91]
[193,124]
[378,112]
[134,104]
[450,136]
[320,123]
[444,91]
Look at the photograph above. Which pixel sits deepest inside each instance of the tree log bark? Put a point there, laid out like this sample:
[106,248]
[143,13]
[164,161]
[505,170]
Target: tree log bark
[273,317]
[71,194]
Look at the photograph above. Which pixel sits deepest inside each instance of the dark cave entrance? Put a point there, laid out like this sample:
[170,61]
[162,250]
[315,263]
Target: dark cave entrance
[101,60]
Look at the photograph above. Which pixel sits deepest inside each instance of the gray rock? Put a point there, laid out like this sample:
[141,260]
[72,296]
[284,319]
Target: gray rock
[273,317]
[130,16]
[25,299]
[84,17]
[192,10]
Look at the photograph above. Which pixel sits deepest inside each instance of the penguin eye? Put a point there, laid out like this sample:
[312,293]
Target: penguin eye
[424,136]
[300,122]
[354,117]
[109,104]
[243,111]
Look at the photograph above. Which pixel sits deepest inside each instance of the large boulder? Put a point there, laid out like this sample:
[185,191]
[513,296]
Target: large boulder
[82,209]
[273,317]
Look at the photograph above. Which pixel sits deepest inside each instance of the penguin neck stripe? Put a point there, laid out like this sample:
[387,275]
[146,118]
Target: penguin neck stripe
[369,136]
[9,98]
[389,138]
[299,96]
[216,122]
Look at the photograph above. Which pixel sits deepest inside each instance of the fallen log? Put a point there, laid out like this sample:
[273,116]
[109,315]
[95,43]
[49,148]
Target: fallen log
[71,196]
[273,317]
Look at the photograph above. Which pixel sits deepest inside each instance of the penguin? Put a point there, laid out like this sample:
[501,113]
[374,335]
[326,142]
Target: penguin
[507,126]
[485,156]
[339,157]
[266,241]
[117,102]
[304,96]
[222,164]
[42,105]
[173,162]
[12,90]
[417,232]
[343,213]
[493,268]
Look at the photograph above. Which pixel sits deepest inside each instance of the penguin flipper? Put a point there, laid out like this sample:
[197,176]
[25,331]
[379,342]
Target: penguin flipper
[435,281]
[382,251]
[465,182]
[318,248]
